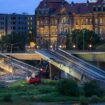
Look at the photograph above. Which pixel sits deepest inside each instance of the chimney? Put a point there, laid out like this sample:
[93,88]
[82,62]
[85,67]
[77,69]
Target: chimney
[87,4]
[72,3]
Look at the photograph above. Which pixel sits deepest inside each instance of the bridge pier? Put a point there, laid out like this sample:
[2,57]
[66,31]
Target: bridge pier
[84,78]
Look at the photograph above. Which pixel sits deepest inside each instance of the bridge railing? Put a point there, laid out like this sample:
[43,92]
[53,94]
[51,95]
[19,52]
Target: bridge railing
[31,68]
[80,60]
[80,69]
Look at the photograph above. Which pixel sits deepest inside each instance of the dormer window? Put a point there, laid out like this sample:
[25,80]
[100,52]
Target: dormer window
[94,9]
[45,4]
[104,8]
[99,9]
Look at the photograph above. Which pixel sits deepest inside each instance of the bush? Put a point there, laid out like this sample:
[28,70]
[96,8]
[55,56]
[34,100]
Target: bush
[7,98]
[68,87]
[46,90]
[95,99]
[83,101]
[49,82]
[92,88]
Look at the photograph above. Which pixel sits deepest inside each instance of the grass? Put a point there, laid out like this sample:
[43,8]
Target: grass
[22,93]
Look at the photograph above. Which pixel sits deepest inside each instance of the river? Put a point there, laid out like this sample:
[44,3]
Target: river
[64,104]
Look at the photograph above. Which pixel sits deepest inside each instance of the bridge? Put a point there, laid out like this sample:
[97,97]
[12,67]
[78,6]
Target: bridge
[72,65]
[12,69]
[86,55]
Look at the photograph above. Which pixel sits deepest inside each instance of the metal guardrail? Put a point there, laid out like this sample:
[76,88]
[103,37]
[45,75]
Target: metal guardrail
[20,63]
[75,67]
[100,70]
[89,75]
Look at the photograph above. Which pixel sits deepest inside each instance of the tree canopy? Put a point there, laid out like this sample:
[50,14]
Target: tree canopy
[84,39]
[13,42]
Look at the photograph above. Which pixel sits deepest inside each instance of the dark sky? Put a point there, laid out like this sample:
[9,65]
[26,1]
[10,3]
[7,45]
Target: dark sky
[20,6]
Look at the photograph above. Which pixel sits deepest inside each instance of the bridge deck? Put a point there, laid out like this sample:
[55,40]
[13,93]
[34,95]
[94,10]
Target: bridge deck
[72,65]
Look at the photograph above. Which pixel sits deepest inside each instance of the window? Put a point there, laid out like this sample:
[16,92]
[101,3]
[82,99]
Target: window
[96,30]
[30,18]
[99,9]
[100,31]
[103,8]
[94,9]
[14,28]
[101,21]
[30,32]
[86,22]
[96,21]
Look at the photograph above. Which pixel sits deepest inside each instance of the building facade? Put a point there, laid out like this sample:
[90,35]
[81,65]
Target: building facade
[18,23]
[3,27]
[55,19]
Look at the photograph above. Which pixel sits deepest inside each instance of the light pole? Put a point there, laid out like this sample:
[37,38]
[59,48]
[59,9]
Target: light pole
[12,46]
[83,39]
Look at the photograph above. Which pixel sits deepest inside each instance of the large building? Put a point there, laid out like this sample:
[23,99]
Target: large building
[57,18]
[18,23]
[3,27]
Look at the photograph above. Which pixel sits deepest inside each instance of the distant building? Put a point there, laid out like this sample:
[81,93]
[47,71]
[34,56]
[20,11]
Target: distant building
[3,25]
[18,23]
[57,18]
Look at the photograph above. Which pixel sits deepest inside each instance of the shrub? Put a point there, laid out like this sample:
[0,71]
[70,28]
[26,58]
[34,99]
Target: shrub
[92,88]
[68,87]
[49,82]
[7,98]
[83,101]
[95,99]
[46,90]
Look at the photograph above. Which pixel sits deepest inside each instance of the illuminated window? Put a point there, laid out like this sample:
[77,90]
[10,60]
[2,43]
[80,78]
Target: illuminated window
[96,21]
[28,28]
[31,28]
[28,23]
[30,18]
[30,32]
[100,31]
[101,20]
[37,22]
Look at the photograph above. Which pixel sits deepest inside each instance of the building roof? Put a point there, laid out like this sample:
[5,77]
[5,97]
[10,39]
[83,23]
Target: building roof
[77,8]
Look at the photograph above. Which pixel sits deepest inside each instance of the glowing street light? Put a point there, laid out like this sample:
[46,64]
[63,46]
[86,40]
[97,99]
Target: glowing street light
[90,46]
[74,46]
[37,47]
[60,46]
[51,46]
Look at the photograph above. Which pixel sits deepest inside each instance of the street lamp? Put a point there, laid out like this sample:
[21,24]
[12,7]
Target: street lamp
[11,46]
[90,46]
[74,46]
[51,46]
[60,46]
[37,47]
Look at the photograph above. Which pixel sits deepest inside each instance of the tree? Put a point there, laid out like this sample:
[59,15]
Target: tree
[13,42]
[68,42]
[68,87]
[83,38]
[92,88]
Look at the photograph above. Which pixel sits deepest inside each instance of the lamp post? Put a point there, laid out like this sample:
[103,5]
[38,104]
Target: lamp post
[11,46]
[83,39]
